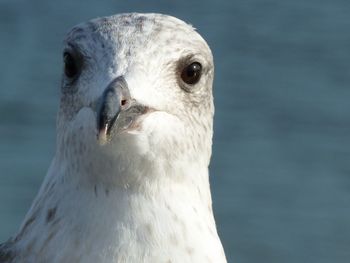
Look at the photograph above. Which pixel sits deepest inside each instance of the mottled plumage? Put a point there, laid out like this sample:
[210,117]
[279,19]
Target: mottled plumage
[129,182]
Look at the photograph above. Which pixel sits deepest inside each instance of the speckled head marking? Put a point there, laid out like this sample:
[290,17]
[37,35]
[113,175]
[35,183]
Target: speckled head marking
[150,53]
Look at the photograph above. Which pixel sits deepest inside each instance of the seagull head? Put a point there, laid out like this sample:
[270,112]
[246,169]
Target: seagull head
[136,86]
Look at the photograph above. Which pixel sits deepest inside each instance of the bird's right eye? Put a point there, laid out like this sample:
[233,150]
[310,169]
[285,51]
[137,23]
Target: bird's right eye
[71,65]
[191,73]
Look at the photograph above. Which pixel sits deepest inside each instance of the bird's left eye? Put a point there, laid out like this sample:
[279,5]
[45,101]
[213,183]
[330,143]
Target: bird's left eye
[71,65]
[191,73]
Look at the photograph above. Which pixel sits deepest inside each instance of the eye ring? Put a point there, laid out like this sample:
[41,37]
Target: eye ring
[191,73]
[72,64]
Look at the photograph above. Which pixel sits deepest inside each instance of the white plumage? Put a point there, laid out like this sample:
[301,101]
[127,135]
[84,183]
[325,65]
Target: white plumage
[134,188]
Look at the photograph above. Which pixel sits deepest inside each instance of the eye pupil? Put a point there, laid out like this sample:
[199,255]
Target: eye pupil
[191,73]
[70,65]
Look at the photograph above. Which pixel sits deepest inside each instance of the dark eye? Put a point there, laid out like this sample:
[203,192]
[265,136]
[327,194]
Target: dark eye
[192,73]
[71,66]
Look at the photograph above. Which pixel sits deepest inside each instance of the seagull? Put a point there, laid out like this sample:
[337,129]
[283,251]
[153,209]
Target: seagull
[129,180]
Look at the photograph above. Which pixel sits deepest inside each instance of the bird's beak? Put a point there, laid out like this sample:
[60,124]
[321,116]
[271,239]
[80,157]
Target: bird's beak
[117,110]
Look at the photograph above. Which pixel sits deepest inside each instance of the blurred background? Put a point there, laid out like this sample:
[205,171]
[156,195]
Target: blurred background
[280,171]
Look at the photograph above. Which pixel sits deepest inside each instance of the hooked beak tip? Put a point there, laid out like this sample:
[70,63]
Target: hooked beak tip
[118,112]
[114,99]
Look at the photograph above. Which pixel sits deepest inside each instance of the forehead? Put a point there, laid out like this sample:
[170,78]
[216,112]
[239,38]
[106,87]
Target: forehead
[129,33]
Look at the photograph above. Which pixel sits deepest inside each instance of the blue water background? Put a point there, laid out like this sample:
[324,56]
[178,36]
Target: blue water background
[280,171]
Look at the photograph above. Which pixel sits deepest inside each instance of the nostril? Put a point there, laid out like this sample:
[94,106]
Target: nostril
[123,102]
